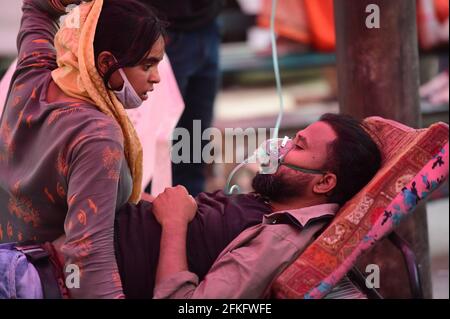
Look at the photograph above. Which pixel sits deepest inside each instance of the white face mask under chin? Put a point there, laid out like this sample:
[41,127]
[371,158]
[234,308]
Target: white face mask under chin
[127,95]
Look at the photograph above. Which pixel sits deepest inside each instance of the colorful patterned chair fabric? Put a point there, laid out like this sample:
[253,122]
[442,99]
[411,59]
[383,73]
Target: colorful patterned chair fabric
[415,163]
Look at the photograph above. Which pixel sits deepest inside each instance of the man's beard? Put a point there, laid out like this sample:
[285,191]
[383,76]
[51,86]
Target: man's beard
[281,187]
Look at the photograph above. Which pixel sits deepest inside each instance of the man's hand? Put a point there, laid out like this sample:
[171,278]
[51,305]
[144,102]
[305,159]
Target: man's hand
[174,207]
[147,197]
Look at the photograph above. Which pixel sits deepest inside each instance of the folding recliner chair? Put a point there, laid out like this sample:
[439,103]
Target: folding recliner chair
[415,163]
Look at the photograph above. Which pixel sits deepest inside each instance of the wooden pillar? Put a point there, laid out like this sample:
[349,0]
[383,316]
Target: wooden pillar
[378,74]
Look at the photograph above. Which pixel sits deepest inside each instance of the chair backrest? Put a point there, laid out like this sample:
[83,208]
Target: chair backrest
[415,162]
[346,289]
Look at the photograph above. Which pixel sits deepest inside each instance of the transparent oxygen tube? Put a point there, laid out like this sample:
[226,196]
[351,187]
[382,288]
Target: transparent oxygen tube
[267,154]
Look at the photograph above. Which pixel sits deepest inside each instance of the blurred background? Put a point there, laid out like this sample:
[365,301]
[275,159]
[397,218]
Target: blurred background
[307,57]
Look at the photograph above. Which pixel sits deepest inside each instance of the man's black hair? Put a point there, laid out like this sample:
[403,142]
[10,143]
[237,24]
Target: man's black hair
[354,157]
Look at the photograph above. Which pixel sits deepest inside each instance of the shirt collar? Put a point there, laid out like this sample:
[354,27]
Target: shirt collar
[302,216]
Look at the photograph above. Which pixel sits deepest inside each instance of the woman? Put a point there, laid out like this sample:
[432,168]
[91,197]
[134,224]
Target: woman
[69,156]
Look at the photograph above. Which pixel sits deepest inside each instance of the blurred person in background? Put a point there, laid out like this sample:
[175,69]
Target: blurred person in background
[192,45]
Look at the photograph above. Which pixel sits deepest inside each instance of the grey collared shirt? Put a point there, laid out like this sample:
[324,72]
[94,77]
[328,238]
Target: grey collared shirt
[247,267]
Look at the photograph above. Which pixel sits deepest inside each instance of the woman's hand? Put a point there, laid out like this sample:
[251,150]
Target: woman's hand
[174,207]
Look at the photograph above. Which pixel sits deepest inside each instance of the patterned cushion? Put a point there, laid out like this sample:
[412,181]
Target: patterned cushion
[412,167]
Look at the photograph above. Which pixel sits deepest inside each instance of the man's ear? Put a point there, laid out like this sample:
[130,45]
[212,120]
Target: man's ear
[326,184]
[105,61]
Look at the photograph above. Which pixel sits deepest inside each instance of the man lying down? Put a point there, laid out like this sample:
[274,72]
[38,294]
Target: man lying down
[220,246]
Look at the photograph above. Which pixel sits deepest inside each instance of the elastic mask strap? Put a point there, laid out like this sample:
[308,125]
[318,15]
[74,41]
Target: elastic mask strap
[304,170]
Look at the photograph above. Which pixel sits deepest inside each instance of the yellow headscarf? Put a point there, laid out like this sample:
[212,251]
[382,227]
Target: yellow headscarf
[77,77]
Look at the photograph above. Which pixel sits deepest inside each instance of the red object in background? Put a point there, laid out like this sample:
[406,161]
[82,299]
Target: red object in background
[441,9]
[310,22]
[290,20]
[320,16]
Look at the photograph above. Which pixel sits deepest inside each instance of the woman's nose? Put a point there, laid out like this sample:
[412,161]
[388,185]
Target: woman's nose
[154,76]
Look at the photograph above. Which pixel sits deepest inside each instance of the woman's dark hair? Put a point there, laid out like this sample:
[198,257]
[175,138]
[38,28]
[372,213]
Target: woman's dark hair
[127,29]
[354,157]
